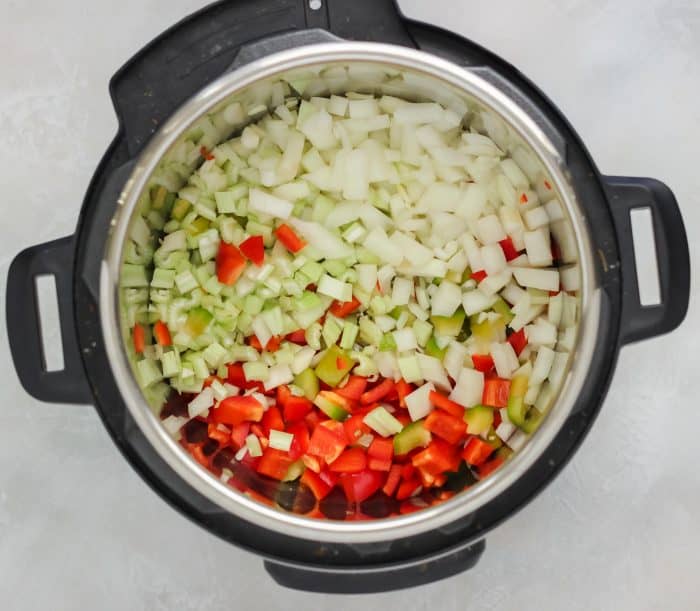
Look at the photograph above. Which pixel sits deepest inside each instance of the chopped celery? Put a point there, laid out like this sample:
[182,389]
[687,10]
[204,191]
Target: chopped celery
[199,365]
[133,276]
[479,419]
[335,267]
[198,320]
[180,209]
[382,422]
[163,278]
[331,331]
[410,369]
[308,300]
[334,366]
[388,343]
[350,331]
[215,354]
[171,364]
[413,435]
[370,333]
[502,308]
[517,409]
[148,372]
[307,380]
[255,370]
[312,335]
[449,326]
[252,304]
[273,320]
[226,202]
[433,349]
[321,208]
[186,282]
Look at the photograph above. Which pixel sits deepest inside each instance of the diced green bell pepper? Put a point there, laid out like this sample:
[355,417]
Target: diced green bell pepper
[449,326]
[432,349]
[198,320]
[479,419]
[307,380]
[330,409]
[334,366]
[413,435]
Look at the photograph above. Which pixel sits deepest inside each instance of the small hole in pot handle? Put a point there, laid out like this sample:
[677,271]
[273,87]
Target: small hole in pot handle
[49,323]
[645,256]
[315,5]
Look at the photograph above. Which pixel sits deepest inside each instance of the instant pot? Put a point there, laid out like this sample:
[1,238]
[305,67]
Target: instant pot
[235,51]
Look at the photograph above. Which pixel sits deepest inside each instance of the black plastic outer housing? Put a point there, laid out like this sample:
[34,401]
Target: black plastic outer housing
[179,63]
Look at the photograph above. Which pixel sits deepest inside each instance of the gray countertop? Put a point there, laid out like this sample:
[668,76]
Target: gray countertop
[619,529]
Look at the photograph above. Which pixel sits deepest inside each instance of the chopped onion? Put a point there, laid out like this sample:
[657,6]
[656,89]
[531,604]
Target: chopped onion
[446,299]
[279,440]
[469,388]
[432,370]
[329,244]
[545,279]
[201,403]
[262,202]
[505,359]
[418,402]
[405,339]
[253,445]
[378,243]
[278,375]
[543,363]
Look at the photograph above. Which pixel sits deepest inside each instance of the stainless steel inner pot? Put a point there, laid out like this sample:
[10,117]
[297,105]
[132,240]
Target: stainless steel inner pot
[241,96]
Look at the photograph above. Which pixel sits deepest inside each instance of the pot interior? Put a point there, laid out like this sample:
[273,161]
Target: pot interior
[163,179]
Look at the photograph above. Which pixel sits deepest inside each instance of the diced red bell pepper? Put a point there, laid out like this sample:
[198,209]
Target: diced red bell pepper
[328,441]
[139,334]
[274,463]
[407,471]
[230,264]
[272,419]
[236,376]
[377,393]
[213,432]
[283,394]
[198,455]
[161,333]
[477,451]
[300,442]
[289,238]
[341,309]
[556,251]
[478,276]
[437,458]
[273,344]
[238,434]
[353,389]
[319,488]
[509,250]
[490,466]
[234,410]
[380,453]
[407,488]
[362,485]
[482,362]
[497,419]
[403,389]
[393,480]
[351,460]
[254,249]
[518,340]
[296,408]
[297,337]
[206,153]
[313,419]
[496,391]
[450,428]
[441,401]
[355,427]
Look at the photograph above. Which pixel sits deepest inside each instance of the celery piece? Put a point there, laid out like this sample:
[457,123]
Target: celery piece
[308,301]
[382,422]
[255,370]
[185,282]
[226,202]
[273,320]
[263,229]
[370,333]
[433,349]
[215,354]
[334,366]
[133,276]
[163,278]
[180,209]
[532,420]
[312,271]
[198,364]
[413,435]
[252,304]
[378,306]
[350,331]
[501,307]
[198,320]
[335,267]
[388,343]
[479,419]
[449,326]
[213,286]
[148,372]
[171,364]
[321,208]
[307,380]
[422,329]
[331,331]
[410,369]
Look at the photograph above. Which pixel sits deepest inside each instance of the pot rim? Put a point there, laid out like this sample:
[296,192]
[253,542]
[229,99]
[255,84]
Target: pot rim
[206,483]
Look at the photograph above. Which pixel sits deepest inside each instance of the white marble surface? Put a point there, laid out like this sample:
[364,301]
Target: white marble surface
[618,530]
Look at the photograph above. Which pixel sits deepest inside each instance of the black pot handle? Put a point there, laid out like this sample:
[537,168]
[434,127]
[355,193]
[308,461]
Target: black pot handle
[368,580]
[24,327]
[673,259]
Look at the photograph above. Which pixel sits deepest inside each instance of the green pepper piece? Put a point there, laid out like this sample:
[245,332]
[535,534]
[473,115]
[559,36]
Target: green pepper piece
[180,209]
[449,326]
[532,420]
[432,349]
[334,366]
[413,435]
[494,439]
[388,343]
[502,308]
[517,410]
[307,380]
[329,408]
[198,320]
[479,419]
[158,196]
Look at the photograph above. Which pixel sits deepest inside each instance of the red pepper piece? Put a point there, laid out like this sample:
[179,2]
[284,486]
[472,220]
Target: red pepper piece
[238,434]
[482,362]
[254,249]
[489,467]
[477,451]
[441,401]
[341,309]
[403,389]
[139,334]
[523,198]
[438,457]
[353,389]
[274,463]
[289,238]
[496,391]
[407,488]
[206,153]
[296,408]
[380,453]
[234,410]
[230,264]
[213,432]
[509,249]
[377,393]
[328,441]
[351,460]
[444,425]
[161,333]
[362,485]
[518,340]
[319,488]
[272,419]
[392,481]
[297,337]
[355,427]
[300,443]
[478,276]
